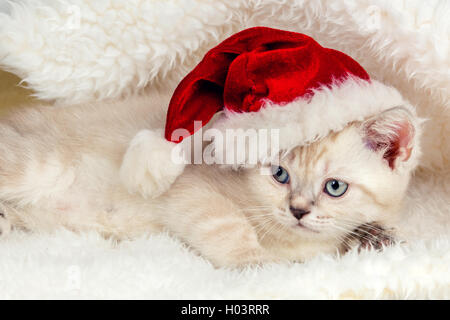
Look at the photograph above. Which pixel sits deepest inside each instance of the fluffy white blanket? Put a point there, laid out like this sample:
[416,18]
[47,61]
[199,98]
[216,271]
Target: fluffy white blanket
[65,265]
[77,50]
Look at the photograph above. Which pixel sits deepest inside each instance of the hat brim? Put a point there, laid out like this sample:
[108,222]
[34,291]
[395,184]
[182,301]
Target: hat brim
[306,120]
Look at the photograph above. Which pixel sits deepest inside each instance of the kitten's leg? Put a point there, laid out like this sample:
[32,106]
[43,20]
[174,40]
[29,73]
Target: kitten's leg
[229,242]
[147,167]
[221,234]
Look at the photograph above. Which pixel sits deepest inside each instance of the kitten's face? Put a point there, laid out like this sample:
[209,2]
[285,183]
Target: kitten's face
[327,189]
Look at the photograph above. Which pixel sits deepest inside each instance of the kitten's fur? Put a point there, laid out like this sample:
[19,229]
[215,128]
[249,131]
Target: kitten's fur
[60,167]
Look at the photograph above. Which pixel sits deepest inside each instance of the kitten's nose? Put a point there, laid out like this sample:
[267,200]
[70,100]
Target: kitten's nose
[298,212]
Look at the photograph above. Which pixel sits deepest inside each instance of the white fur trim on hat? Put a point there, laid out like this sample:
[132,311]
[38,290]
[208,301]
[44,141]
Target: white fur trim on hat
[306,120]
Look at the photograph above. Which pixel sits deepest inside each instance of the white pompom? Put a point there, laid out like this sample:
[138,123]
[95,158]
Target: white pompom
[148,166]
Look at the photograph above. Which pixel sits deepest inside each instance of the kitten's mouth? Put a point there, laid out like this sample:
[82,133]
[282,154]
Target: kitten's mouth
[301,225]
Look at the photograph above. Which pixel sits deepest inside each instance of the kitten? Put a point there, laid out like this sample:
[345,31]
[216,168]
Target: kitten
[83,168]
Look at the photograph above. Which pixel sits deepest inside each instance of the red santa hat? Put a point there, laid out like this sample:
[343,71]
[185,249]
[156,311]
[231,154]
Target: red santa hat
[263,78]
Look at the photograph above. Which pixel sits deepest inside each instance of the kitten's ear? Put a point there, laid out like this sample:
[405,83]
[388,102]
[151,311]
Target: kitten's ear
[393,133]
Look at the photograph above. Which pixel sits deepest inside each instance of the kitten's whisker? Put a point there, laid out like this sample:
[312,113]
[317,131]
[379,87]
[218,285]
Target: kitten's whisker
[258,217]
[263,210]
[265,225]
[257,207]
[341,241]
[353,234]
[261,225]
[348,223]
[367,225]
[269,230]
[371,227]
[258,212]
[278,227]
[357,232]
[343,227]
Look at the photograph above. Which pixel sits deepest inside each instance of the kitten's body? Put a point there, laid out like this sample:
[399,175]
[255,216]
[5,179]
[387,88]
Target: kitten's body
[60,167]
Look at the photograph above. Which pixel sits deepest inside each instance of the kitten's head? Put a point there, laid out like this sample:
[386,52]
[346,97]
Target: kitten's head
[328,188]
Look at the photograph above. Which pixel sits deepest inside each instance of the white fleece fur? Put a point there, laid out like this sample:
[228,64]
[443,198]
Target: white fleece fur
[78,50]
[65,265]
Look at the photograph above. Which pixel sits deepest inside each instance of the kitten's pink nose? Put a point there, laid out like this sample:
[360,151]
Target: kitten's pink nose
[298,212]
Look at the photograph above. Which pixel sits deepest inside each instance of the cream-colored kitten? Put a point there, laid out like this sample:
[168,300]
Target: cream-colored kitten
[64,167]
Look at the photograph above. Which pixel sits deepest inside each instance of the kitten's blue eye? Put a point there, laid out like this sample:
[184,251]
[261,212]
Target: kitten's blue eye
[280,174]
[335,188]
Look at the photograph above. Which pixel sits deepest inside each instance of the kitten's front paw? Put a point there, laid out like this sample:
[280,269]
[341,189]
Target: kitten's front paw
[373,236]
[148,167]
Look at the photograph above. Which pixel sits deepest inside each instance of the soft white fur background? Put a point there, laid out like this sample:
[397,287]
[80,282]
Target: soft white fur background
[78,50]
[68,266]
